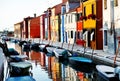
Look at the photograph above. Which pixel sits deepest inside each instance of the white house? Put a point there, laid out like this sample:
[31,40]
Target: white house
[111,22]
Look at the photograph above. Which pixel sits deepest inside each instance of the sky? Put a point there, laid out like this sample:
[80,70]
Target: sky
[13,11]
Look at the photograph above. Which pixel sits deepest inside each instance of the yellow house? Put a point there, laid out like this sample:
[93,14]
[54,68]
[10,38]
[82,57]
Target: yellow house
[89,8]
[55,22]
[92,22]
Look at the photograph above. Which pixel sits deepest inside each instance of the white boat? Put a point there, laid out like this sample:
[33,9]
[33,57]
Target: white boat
[107,73]
[50,49]
[61,54]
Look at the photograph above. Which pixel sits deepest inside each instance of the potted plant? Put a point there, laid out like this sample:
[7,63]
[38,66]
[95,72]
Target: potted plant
[85,17]
[81,17]
[89,16]
[93,16]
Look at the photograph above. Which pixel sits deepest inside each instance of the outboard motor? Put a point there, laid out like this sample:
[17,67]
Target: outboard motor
[117,72]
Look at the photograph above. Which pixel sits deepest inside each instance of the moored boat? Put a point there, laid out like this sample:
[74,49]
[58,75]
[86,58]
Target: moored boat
[43,47]
[106,73]
[26,47]
[35,47]
[21,78]
[61,54]
[12,51]
[19,68]
[50,49]
[80,60]
[81,63]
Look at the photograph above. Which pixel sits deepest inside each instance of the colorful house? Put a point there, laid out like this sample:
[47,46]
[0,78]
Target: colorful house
[63,9]
[26,27]
[47,24]
[42,26]
[34,27]
[68,24]
[18,30]
[55,22]
[92,23]
[111,25]
[79,23]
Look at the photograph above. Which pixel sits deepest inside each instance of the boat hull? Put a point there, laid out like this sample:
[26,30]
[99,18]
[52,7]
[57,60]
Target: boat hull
[81,64]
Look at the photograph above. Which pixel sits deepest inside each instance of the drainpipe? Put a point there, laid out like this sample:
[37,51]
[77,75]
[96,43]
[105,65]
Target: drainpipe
[113,24]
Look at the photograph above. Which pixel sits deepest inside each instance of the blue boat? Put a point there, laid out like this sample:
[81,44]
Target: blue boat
[106,73]
[81,63]
[21,78]
[80,60]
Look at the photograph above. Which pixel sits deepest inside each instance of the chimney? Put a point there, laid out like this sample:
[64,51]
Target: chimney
[34,14]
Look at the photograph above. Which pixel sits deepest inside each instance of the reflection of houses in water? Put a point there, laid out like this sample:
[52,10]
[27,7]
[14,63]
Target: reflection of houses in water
[70,74]
[56,70]
[50,66]
[27,53]
[42,60]
[35,56]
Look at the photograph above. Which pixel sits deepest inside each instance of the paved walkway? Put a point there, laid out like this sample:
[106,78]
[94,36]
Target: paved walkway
[97,55]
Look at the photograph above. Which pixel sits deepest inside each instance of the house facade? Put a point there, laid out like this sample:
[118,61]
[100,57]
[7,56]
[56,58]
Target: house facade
[55,22]
[35,27]
[63,10]
[26,26]
[68,19]
[47,24]
[18,30]
[79,28]
[70,26]
[111,25]
[42,26]
[92,22]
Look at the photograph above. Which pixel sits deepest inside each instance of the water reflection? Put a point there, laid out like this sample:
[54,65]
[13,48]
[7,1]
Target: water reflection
[47,68]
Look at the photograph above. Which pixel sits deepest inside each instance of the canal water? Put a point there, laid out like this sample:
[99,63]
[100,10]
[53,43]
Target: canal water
[47,68]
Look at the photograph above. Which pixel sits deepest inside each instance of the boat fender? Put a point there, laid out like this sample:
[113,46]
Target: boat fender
[117,72]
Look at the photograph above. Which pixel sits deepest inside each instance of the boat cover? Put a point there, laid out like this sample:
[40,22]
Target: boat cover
[21,64]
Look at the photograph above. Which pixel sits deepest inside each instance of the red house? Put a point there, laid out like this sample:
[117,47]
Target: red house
[35,27]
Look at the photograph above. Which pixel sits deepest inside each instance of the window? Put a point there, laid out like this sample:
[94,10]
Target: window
[105,37]
[71,18]
[71,34]
[115,3]
[92,8]
[78,16]
[105,4]
[84,11]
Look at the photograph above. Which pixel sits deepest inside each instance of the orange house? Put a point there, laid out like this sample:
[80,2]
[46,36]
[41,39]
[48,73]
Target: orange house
[35,27]
[79,29]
